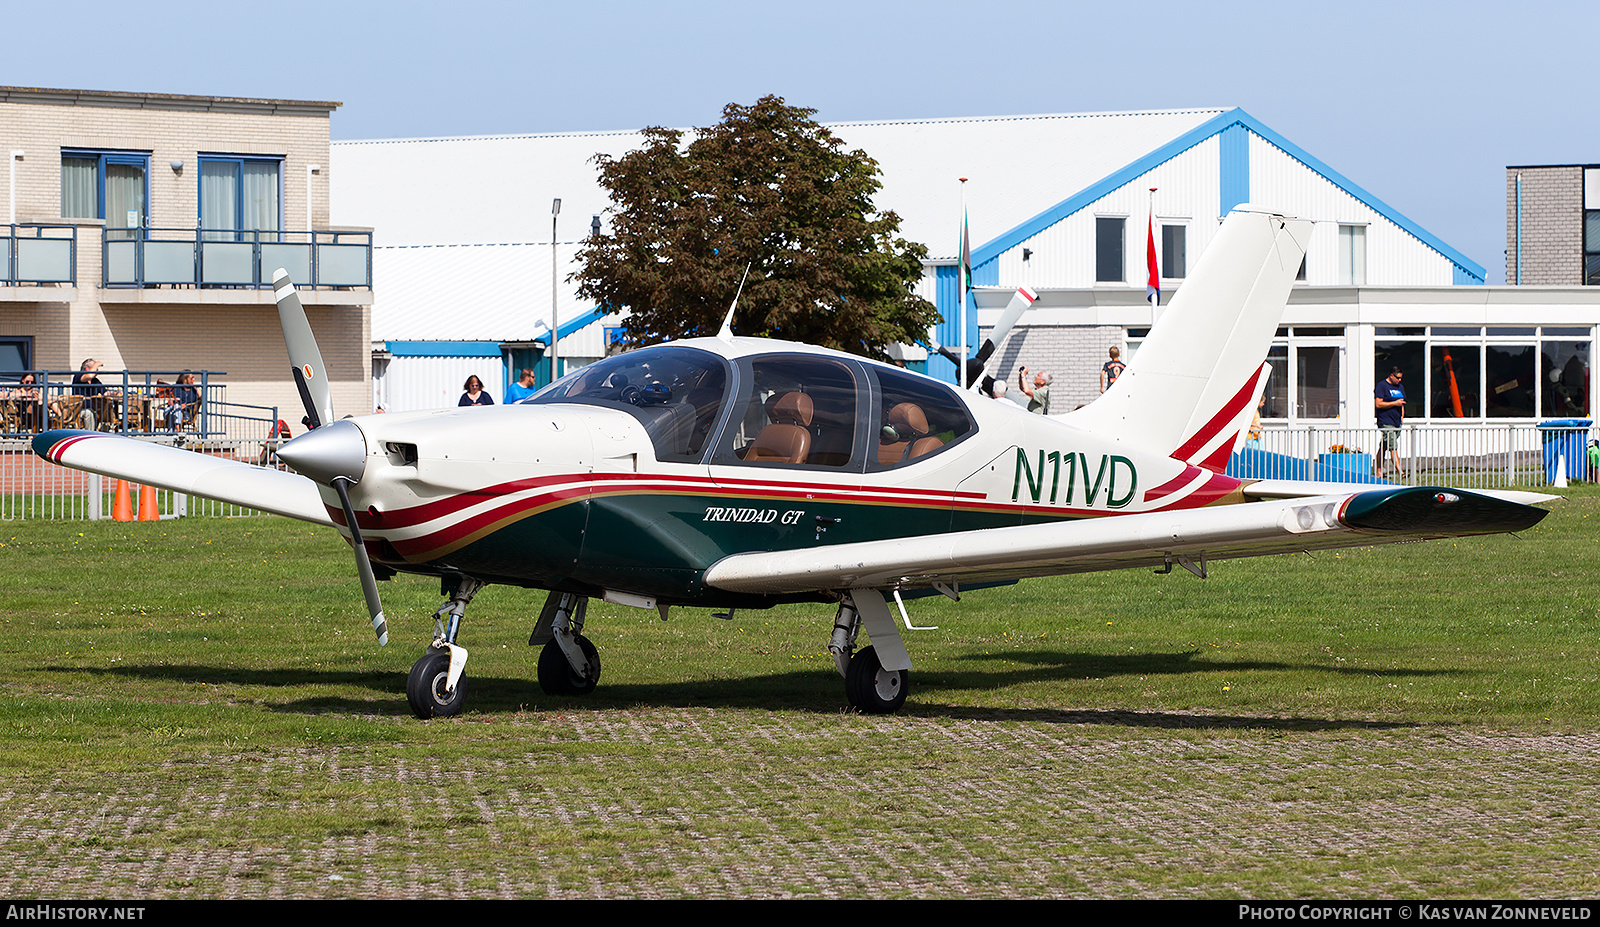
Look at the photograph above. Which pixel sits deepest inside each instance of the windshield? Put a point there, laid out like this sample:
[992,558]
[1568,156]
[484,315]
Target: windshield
[675,392]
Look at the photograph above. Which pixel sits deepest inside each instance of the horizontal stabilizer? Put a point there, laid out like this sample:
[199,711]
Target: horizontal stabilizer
[152,464]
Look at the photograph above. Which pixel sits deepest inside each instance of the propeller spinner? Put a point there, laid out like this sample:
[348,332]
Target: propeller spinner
[331,453]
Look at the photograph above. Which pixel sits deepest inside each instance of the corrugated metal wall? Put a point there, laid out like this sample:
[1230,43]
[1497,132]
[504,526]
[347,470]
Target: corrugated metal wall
[1394,256]
[1187,192]
[410,384]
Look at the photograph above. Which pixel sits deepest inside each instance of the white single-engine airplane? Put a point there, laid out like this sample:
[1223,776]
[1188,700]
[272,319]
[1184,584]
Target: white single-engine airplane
[740,473]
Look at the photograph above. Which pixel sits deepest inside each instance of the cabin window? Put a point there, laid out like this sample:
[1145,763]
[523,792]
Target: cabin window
[916,418]
[675,392]
[794,410]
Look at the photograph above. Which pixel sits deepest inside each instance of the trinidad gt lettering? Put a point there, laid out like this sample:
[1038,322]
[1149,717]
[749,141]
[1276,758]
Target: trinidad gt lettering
[748,516]
[1119,491]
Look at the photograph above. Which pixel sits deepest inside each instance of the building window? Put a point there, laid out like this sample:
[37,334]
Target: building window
[16,355]
[1307,374]
[109,185]
[1591,247]
[240,195]
[1565,383]
[1455,373]
[1174,251]
[1108,261]
[1352,255]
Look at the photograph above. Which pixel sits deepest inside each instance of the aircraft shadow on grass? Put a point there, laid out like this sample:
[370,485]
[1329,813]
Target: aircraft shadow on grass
[804,690]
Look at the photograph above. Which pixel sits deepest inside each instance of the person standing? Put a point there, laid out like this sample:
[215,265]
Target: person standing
[521,389]
[86,384]
[475,394]
[1039,393]
[1389,399]
[1111,369]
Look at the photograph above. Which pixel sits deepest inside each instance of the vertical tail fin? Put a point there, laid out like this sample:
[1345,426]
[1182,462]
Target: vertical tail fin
[1200,370]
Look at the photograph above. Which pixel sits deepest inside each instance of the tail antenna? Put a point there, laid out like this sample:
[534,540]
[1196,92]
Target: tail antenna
[726,333]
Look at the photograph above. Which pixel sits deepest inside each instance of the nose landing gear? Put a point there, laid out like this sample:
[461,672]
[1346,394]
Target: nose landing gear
[437,685]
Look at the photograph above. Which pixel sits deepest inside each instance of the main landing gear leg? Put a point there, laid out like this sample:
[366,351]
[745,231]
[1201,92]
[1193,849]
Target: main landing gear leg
[569,664]
[437,686]
[875,679]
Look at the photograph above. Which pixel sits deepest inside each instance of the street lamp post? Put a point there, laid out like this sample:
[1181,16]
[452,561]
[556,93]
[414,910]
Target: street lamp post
[555,321]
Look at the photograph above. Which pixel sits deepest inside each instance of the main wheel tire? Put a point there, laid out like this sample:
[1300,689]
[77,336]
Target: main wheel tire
[555,673]
[425,687]
[873,689]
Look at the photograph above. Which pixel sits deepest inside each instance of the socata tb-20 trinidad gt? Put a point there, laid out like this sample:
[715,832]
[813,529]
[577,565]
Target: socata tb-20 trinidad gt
[740,473]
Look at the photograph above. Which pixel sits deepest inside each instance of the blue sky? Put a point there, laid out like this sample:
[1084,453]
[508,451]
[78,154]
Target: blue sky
[1424,103]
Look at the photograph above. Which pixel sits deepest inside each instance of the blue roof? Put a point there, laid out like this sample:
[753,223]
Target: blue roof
[1467,270]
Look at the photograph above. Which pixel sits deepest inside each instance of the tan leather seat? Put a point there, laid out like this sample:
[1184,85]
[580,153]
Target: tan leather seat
[788,438]
[910,424]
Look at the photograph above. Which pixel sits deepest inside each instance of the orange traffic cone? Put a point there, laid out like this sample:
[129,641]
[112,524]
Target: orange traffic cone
[122,505]
[149,506]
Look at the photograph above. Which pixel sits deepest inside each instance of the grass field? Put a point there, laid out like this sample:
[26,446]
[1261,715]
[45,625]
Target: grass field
[197,708]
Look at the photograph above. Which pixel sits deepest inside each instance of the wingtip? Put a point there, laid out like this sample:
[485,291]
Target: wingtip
[279,275]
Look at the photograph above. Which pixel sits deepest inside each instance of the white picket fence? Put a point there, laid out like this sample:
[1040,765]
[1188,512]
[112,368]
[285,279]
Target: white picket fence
[1465,456]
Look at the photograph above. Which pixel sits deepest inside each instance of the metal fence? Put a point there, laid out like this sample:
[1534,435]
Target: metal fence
[32,488]
[241,258]
[134,402]
[1463,456]
[38,254]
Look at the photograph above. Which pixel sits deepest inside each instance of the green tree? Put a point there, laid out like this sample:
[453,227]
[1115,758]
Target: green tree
[766,187]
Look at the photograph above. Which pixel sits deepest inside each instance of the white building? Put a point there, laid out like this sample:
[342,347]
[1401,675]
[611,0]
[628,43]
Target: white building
[1061,203]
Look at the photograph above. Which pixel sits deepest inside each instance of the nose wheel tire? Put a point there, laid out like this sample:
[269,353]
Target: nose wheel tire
[425,687]
[555,673]
[873,689]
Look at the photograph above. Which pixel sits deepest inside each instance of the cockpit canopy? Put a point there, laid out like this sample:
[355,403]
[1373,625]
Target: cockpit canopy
[787,410]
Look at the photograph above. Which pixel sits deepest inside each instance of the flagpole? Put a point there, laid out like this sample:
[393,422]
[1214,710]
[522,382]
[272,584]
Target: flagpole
[1152,290]
[961,272]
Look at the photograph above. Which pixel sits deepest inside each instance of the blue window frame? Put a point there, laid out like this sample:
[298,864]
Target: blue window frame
[240,194]
[16,355]
[109,185]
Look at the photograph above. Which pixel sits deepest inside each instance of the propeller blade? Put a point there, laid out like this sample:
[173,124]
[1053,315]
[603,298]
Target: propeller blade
[334,457]
[369,582]
[310,374]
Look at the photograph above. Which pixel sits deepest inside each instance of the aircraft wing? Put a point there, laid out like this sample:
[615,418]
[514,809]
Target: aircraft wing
[185,471]
[1154,539]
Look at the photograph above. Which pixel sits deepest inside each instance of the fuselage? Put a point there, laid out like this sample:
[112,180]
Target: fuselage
[636,474]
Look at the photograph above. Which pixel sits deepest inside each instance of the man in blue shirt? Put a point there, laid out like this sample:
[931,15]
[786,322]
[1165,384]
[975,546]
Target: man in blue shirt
[521,389]
[1389,399]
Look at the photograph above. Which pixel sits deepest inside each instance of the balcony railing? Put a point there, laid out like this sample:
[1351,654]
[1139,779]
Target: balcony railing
[240,259]
[38,254]
[135,402]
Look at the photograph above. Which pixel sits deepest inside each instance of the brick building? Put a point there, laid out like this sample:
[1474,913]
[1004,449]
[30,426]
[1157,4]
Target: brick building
[1548,210]
[142,230]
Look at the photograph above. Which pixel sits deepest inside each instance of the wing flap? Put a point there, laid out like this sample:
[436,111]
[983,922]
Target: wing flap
[185,471]
[1125,541]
